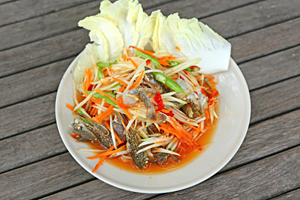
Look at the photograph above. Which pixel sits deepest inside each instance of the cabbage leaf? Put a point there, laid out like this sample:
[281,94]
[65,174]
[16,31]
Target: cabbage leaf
[109,31]
[134,24]
[193,39]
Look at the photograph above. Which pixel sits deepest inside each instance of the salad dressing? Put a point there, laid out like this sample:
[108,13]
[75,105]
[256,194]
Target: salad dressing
[153,168]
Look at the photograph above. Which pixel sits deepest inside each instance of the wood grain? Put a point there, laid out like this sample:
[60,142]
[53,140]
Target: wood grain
[31,8]
[275,99]
[27,115]
[295,194]
[263,14]
[254,181]
[245,47]
[27,9]
[267,138]
[32,83]
[200,9]
[272,68]
[41,178]
[42,52]
[51,24]
[266,41]
[264,139]
[258,180]
[47,25]
[30,147]
[66,20]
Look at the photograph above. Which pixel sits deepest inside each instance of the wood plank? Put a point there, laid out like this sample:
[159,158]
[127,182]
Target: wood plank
[263,14]
[200,9]
[264,139]
[41,178]
[69,44]
[42,52]
[66,20]
[6,1]
[26,9]
[51,24]
[46,25]
[32,83]
[21,10]
[275,99]
[258,180]
[27,115]
[267,138]
[30,147]
[272,68]
[266,41]
[295,194]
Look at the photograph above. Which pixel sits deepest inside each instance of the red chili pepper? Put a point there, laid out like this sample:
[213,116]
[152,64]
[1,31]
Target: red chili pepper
[213,92]
[148,62]
[194,66]
[171,114]
[157,98]
[181,77]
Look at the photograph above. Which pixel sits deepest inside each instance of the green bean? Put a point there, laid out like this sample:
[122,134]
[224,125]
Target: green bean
[173,63]
[195,69]
[168,82]
[103,65]
[99,96]
[83,119]
[146,57]
[100,73]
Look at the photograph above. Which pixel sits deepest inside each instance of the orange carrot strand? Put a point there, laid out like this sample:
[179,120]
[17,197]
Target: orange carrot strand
[138,80]
[70,107]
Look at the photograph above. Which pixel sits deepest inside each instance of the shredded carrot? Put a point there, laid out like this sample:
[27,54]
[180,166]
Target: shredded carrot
[70,106]
[108,69]
[107,95]
[157,149]
[165,110]
[138,80]
[94,111]
[122,89]
[127,51]
[107,153]
[95,100]
[88,79]
[99,164]
[198,77]
[206,114]
[120,81]
[124,57]
[106,73]
[101,117]
[106,124]
[150,53]
[128,113]
[117,137]
[191,126]
[177,48]
[133,63]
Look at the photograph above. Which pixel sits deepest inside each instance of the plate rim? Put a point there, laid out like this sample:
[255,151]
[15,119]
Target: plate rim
[224,162]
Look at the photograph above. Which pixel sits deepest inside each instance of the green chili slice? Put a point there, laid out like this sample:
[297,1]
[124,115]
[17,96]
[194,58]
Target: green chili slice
[83,119]
[103,65]
[168,82]
[99,96]
[146,57]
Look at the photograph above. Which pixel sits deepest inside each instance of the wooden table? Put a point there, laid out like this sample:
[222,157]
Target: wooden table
[39,39]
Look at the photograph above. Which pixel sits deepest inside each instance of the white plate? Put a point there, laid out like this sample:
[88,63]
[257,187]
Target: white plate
[234,117]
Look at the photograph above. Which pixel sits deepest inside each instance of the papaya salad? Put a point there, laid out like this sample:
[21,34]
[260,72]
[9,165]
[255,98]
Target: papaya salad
[140,91]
